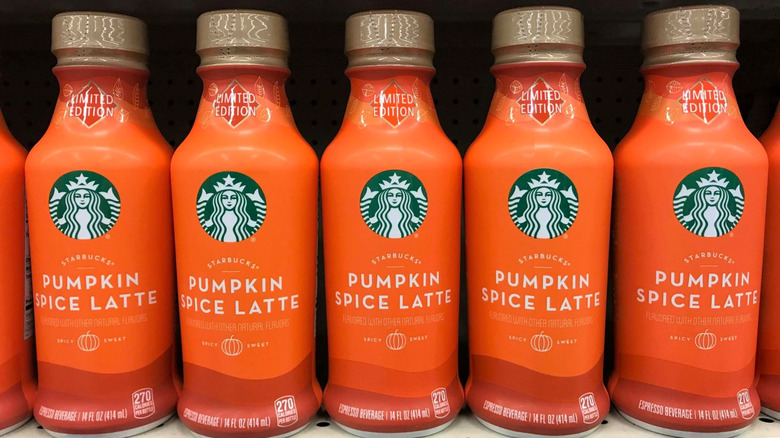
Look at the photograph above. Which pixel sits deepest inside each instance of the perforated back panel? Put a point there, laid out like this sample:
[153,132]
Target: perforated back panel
[318,90]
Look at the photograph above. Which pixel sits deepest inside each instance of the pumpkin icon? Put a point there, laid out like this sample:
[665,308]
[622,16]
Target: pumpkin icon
[88,342]
[395,341]
[541,342]
[705,340]
[232,346]
[515,87]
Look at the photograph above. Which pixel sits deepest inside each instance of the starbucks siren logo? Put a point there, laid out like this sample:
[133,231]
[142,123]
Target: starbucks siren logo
[709,202]
[543,203]
[394,204]
[231,206]
[83,204]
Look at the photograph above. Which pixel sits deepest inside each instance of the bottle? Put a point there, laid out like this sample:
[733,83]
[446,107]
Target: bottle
[538,187]
[98,196]
[690,198]
[768,346]
[245,217]
[391,194]
[17,387]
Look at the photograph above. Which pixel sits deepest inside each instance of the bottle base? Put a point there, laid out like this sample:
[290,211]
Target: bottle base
[119,434]
[15,426]
[283,435]
[412,434]
[770,413]
[516,434]
[682,433]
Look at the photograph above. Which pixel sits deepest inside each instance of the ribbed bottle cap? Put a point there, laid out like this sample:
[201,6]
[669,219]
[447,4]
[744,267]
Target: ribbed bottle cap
[538,34]
[242,37]
[691,34]
[389,37]
[99,38]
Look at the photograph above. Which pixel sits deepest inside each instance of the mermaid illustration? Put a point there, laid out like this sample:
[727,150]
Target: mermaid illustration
[84,215]
[229,218]
[393,208]
[710,215]
[710,209]
[547,211]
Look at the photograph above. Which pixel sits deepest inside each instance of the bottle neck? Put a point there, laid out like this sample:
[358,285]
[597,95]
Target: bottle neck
[692,95]
[98,98]
[538,96]
[245,96]
[390,98]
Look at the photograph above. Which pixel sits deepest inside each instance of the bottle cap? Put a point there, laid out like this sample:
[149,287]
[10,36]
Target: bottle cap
[538,34]
[708,33]
[99,38]
[245,36]
[389,37]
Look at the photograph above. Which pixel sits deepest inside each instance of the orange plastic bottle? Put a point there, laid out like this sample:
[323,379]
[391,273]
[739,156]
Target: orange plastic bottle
[98,195]
[538,185]
[391,193]
[245,215]
[16,351]
[690,198]
[768,343]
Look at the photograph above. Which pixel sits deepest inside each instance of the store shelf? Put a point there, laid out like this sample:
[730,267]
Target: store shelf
[465,426]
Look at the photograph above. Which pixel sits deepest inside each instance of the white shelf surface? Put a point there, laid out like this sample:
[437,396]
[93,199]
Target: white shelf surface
[465,426]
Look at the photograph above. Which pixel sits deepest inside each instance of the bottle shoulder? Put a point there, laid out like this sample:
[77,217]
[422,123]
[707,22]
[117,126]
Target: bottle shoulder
[135,147]
[513,145]
[14,155]
[656,140]
[351,147]
[247,149]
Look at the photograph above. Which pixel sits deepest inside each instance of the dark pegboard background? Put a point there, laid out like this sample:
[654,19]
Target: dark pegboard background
[318,89]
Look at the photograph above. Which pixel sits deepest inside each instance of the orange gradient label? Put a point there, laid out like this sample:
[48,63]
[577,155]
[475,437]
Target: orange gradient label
[391,212]
[100,226]
[690,204]
[16,368]
[768,342]
[245,209]
[537,230]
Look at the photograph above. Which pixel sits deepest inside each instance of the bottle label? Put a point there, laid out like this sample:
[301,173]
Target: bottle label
[111,294]
[394,204]
[543,203]
[393,299]
[93,103]
[709,98]
[246,248]
[234,104]
[688,253]
[392,103]
[231,206]
[84,205]
[537,99]
[246,98]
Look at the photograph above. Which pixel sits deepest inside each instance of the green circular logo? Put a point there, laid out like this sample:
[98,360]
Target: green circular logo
[543,203]
[709,202]
[394,203]
[83,204]
[231,206]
